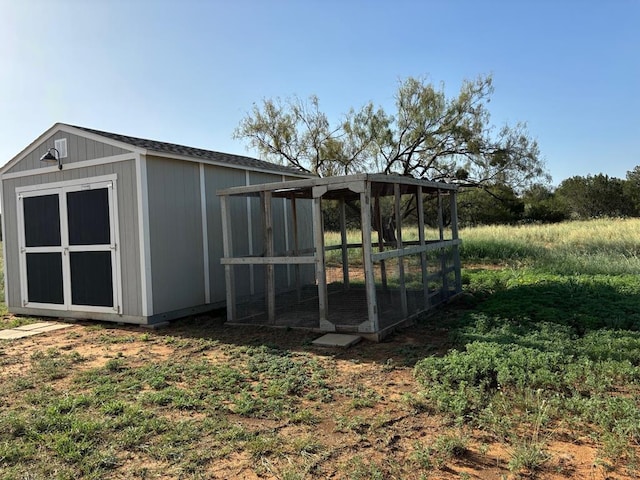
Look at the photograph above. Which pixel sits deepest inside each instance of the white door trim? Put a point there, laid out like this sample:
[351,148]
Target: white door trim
[61,189]
[144,236]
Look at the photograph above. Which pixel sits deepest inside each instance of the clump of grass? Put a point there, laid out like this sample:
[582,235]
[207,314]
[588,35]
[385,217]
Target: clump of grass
[53,364]
[360,469]
[443,450]
[528,451]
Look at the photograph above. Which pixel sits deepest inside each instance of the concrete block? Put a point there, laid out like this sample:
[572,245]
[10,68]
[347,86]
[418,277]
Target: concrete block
[337,340]
[12,334]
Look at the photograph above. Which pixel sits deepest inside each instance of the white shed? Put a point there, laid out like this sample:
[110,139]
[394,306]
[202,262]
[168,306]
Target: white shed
[120,228]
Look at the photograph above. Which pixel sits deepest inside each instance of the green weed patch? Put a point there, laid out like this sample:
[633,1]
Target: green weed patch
[571,341]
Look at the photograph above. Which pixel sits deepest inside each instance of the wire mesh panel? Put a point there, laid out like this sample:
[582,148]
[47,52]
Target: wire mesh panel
[388,291]
[414,283]
[275,233]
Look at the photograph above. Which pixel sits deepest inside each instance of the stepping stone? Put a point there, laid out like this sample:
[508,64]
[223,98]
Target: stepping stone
[53,326]
[34,326]
[31,329]
[336,340]
[12,334]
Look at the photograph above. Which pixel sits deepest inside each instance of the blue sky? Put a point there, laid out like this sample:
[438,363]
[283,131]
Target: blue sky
[187,71]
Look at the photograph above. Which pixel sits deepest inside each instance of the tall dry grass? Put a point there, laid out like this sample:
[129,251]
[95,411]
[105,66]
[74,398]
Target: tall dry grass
[602,246]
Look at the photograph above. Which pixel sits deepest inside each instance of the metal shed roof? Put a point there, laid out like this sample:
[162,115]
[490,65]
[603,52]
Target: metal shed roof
[161,149]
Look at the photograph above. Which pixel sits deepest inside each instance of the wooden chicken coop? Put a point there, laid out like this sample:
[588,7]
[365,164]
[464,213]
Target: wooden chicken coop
[396,253]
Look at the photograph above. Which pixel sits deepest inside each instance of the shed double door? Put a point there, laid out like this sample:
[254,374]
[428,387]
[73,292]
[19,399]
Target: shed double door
[68,249]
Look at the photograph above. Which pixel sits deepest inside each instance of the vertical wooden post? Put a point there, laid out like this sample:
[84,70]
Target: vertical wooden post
[296,246]
[378,216]
[367,251]
[399,246]
[250,222]
[443,252]
[270,293]
[321,273]
[345,242]
[423,255]
[227,248]
[455,235]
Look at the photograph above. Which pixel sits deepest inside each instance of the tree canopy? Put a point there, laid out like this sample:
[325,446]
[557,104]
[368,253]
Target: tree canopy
[429,136]
[594,196]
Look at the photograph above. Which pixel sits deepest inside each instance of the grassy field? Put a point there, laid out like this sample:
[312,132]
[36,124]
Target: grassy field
[533,372]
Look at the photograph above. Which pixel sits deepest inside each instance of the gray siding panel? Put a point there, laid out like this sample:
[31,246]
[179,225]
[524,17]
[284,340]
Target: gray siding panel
[175,232]
[78,149]
[9,217]
[217,178]
[128,220]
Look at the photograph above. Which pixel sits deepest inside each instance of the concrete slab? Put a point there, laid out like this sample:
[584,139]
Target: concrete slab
[12,334]
[337,340]
[31,329]
[54,326]
[33,326]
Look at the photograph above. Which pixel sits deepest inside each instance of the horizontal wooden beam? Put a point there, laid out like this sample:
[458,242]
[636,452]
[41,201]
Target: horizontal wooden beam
[267,260]
[355,183]
[414,250]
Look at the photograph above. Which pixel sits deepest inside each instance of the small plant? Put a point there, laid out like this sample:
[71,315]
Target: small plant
[53,364]
[354,423]
[423,456]
[305,417]
[363,398]
[264,444]
[528,452]
[527,456]
[416,403]
[449,446]
[364,470]
[616,448]
[306,445]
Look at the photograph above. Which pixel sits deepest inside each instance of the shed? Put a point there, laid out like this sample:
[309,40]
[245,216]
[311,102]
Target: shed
[120,228]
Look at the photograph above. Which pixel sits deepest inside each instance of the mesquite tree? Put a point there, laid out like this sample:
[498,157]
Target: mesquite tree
[429,135]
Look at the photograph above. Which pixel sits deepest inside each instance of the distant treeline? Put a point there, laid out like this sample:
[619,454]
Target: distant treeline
[576,198]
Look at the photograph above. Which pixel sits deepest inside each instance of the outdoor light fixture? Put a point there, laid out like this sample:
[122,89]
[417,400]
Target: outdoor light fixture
[51,157]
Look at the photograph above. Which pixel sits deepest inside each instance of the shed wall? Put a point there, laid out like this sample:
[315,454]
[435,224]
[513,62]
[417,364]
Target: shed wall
[175,233]
[127,223]
[78,149]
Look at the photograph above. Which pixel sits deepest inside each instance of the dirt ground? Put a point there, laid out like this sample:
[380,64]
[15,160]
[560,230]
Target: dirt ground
[386,368]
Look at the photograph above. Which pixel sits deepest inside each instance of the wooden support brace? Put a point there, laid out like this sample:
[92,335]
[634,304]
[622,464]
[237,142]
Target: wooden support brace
[454,232]
[321,274]
[379,220]
[269,269]
[344,242]
[296,246]
[423,255]
[403,286]
[227,242]
[373,325]
[443,251]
